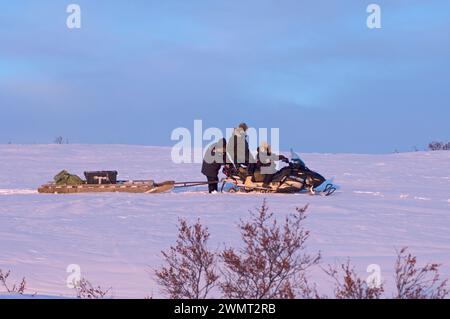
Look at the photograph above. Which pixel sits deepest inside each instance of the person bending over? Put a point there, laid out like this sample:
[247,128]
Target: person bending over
[215,157]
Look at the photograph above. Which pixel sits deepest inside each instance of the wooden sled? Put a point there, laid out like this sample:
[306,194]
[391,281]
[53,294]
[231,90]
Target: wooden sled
[143,187]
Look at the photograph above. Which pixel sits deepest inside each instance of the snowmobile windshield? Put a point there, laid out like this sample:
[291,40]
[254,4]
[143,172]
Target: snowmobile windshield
[295,158]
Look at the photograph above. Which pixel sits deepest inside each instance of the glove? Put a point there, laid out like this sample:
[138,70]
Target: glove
[284,159]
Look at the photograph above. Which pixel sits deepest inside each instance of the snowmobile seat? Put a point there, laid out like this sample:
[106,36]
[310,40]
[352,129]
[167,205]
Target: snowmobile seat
[258,177]
[281,174]
[277,177]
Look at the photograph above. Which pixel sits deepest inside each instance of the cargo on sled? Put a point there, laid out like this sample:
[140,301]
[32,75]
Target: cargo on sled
[102,182]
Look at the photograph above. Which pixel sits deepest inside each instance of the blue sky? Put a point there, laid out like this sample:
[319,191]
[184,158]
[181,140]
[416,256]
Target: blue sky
[137,70]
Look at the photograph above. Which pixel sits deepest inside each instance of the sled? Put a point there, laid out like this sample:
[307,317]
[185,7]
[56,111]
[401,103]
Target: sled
[143,187]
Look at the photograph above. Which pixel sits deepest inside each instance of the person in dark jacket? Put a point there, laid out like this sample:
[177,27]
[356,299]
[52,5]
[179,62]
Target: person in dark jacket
[238,148]
[239,152]
[215,157]
[266,162]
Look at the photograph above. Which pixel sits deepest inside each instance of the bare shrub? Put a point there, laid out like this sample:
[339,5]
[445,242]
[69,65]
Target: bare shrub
[349,286]
[439,146]
[85,290]
[14,289]
[272,263]
[59,140]
[414,282]
[191,268]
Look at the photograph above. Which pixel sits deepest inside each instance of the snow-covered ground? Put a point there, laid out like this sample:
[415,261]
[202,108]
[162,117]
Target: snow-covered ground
[385,202]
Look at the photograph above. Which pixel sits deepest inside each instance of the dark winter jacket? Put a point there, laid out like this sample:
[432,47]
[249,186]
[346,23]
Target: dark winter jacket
[214,159]
[238,150]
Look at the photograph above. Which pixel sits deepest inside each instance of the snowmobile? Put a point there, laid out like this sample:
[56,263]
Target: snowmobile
[294,178]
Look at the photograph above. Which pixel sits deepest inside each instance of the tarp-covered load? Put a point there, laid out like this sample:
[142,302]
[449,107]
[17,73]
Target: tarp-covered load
[65,178]
[101,182]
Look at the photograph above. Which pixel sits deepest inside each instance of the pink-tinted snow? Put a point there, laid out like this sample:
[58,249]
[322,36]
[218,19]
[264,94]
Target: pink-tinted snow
[384,202]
